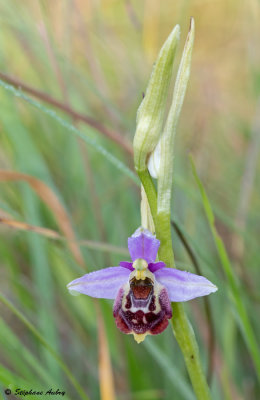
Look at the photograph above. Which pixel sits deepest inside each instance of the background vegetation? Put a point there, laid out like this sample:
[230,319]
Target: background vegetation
[60,176]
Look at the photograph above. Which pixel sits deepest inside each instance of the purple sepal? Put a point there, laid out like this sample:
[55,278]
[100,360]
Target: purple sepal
[126,264]
[104,283]
[183,286]
[155,266]
[143,244]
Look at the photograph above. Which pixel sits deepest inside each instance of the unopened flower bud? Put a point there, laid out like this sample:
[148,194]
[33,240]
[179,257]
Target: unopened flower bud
[150,115]
[166,154]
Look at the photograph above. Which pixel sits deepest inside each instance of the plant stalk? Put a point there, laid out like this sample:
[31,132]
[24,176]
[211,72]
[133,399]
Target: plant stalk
[181,326]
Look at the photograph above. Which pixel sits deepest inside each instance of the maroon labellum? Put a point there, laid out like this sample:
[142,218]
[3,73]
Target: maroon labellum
[142,307]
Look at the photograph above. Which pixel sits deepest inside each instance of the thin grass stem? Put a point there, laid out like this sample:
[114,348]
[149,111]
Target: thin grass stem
[41,339]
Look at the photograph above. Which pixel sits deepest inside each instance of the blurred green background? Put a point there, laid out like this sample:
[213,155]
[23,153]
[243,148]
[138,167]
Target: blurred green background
[95,58]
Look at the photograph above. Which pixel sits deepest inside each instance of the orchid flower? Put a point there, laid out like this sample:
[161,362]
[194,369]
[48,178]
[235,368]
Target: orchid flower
[143,289]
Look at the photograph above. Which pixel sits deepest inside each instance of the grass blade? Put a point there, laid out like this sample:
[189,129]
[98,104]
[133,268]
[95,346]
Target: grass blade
[97,147]
[106,381]
[245,323]
[41,339]
[52,201]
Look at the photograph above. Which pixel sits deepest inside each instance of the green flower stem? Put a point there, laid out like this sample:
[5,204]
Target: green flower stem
[163,232]
[150,191]
[186,339]
[181,326]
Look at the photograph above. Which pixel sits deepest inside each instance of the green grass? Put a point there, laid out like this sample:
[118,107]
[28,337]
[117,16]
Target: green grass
[97,58]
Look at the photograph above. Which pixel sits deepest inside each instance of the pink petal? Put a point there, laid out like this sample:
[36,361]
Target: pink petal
[126,264]
[104,283]
[183,286]
[155,266]
[143,244]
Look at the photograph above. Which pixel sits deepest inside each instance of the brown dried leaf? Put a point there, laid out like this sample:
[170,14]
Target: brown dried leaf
[27,227]
[106,381]
[6,219]
[52,201]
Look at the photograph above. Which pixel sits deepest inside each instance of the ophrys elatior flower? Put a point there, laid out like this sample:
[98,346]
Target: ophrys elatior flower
[143,289]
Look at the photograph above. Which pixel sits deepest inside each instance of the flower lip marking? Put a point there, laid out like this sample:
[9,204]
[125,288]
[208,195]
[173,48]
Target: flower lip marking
[143,288]
[142,308]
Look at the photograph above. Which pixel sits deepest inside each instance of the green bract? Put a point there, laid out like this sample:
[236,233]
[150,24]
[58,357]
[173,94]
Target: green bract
[151,111]
[153,144]
[167,140]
